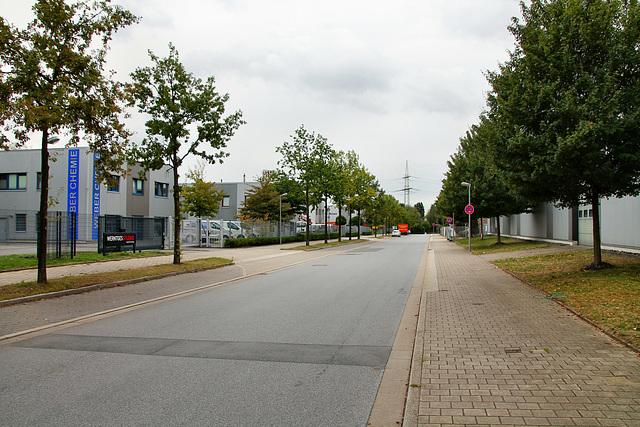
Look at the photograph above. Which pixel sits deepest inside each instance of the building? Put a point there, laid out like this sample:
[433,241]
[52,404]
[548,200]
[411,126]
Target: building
[619,224]
[72,188]
[235,194]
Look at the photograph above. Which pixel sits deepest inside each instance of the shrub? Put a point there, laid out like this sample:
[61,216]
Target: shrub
[263,241]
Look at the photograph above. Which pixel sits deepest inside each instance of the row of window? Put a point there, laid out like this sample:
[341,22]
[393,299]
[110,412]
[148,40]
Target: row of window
[161,188]
[18,181]
[14,181]
[586,213]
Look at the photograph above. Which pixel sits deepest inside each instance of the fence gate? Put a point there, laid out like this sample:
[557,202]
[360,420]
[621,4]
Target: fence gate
[201,233]
[150,232]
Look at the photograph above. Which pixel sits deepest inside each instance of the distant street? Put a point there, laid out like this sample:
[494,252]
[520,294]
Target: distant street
[303,346]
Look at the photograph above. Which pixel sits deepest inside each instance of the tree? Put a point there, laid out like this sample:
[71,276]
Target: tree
[201,198]
[387,205]
[294,191]
[53,82]
[263,201]
[176,102]
[303,161]
[567,103]
[339,187]
[491,195]
[327,182]
[420,207]
[366,188]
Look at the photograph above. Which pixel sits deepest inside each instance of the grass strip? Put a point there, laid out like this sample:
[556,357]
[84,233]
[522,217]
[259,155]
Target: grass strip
[488,244]
[13,262]
[609,298]
[25,289]
[325,245]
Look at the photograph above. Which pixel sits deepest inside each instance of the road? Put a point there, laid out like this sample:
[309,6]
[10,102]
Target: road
[301,346]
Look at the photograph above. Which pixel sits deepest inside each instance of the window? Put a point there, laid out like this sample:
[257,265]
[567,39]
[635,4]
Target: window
[13,181]
[226,202]
[580,213]
[162,189]
[39,181]
[114,184]
[138,186]
[21,222]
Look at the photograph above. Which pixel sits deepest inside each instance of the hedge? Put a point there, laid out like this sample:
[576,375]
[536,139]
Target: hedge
[263,241]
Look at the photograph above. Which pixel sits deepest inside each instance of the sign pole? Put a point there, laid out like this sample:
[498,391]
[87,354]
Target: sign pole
[469,210]
[469,234]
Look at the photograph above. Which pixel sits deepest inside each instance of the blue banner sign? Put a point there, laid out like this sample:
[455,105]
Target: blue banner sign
[96,201]
[72,184]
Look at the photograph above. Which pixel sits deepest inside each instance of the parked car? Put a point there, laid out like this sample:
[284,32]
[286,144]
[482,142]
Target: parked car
[396,233]
[233,229]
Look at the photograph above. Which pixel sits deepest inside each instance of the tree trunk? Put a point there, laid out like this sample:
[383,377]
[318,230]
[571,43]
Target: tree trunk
[307,211]
[498,221]
[597,250]
[326,220]
[42,214]
[359,220]
[340,226]
[350,223]
[177,217]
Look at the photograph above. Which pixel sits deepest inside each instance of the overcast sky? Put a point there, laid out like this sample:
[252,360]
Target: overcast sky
[395,81]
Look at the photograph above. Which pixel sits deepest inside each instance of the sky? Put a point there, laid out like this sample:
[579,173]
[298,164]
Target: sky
[399,82]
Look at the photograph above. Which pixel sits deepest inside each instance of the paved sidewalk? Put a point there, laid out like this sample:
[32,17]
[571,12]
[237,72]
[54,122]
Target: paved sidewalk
[489,353]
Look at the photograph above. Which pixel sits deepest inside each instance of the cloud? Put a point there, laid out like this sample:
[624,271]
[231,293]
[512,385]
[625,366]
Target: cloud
[394,81]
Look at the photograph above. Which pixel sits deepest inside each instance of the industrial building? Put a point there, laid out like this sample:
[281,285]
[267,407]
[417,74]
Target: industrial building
[72,188]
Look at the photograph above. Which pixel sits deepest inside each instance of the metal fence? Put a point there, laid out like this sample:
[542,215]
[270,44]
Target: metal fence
[206,232]
[150,232]
[64,229]
[62,234]
[459,231]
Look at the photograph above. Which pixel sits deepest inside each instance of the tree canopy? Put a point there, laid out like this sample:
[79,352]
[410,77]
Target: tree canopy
[53,82]
[566,104]
[303,160]
[201,198]
[264,201]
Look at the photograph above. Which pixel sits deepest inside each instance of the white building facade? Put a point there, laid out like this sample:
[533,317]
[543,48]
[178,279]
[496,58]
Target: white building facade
[73,188]
[619,224]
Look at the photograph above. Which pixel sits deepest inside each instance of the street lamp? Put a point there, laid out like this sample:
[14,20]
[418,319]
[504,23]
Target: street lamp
[280,218]
[466,184]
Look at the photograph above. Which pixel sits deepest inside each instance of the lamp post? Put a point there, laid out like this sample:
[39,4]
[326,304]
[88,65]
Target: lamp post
[466,184]
[280,218]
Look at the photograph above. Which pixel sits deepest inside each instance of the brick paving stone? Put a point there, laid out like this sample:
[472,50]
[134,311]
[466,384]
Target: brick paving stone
[512,359]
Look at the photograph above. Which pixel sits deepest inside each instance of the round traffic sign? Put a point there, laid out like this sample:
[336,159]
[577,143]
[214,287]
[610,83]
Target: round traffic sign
[468,209]
[449,220]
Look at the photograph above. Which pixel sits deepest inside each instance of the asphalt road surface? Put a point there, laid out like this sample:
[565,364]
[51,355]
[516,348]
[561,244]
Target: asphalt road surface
[303,346]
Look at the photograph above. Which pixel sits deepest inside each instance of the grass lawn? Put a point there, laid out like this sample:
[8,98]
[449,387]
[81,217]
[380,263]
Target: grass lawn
[9,262]
[488,244]
[610,298]
[76,282]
